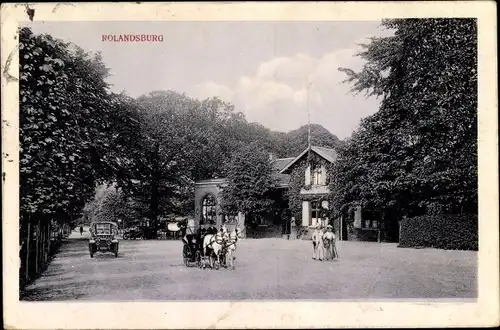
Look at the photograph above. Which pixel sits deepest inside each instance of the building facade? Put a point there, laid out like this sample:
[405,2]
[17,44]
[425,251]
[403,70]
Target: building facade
[207,207]
[312,168]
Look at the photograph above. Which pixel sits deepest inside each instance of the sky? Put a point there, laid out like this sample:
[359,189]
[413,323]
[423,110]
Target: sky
[263,68]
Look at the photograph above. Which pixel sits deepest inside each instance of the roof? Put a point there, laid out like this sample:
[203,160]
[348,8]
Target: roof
[326,153]
[280,163]
[283,179]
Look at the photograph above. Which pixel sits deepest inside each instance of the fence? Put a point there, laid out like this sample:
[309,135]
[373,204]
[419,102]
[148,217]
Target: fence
[40,242]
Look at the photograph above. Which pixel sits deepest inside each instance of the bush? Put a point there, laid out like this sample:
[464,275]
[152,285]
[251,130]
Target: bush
[449,232]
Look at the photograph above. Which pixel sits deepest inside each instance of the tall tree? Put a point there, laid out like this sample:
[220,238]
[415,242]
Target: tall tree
[181,140]
[250,182]
[111,205]
[417,154]
[65,131]
[296,141]
[66,137]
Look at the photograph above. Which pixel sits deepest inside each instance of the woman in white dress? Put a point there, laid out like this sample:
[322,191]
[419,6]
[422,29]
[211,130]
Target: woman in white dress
[318,248]
[320,245]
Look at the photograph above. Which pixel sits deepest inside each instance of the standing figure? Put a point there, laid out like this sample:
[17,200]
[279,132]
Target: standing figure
[81,230]
[315,236]
[329,243]
[319,245]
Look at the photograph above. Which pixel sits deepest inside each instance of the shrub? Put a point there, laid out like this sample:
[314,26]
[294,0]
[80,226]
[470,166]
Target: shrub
[450,232]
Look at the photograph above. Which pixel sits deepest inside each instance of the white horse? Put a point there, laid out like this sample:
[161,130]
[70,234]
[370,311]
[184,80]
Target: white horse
[215,243]
[231,246]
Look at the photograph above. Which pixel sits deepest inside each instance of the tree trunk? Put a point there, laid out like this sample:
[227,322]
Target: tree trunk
[37,246]
[153,205]
[42,248]
[49,240]
[28,248]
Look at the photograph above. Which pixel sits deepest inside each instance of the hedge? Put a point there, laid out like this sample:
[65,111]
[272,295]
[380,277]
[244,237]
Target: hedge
[449,232]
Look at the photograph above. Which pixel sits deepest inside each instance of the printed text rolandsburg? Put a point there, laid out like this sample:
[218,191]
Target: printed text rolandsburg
[132,37]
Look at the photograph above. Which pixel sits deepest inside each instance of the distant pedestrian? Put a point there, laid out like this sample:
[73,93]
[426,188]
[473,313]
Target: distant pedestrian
[81,230]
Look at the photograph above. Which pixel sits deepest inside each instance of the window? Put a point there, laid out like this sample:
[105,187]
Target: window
[208,210]
[315,212]
[369,220]
[317,175]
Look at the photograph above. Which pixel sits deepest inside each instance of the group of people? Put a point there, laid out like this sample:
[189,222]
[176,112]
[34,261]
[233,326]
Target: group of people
[205,231]
[324,243]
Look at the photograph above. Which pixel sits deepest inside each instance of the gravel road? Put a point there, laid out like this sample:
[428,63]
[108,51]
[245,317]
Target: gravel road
[265,269]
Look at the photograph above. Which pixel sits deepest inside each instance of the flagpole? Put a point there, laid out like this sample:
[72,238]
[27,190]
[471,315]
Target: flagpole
[308,122]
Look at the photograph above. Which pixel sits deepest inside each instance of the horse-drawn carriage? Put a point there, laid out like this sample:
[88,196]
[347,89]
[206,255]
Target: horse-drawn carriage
[209,246]
[192,250]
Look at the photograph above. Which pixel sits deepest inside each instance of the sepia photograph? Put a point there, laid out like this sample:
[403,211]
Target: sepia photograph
[247,160]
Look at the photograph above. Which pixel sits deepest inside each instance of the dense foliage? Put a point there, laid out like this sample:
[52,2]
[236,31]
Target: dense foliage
[66,127]
[418,153]
[75,134]
[297,183]
[111,204]
[250,182]
[296,141]
[451,232]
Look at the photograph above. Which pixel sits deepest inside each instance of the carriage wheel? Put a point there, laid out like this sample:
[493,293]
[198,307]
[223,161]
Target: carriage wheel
[186,253]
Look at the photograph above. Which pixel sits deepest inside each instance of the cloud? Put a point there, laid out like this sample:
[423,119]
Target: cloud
[210,89]
[282,90]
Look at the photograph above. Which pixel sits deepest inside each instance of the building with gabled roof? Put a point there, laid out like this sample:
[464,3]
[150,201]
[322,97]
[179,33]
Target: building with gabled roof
[314,195]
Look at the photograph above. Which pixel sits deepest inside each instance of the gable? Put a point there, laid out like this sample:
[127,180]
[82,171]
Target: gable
[328,154]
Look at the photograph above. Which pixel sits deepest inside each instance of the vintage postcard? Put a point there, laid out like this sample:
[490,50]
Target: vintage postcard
[249,165]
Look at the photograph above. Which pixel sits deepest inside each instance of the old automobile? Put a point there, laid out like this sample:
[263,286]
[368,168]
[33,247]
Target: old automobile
[103,238]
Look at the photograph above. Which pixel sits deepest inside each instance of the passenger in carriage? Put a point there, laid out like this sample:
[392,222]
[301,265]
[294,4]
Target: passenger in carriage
[186,239]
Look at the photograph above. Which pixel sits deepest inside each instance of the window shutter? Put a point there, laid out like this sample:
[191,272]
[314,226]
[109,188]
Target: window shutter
[307,181]
[306,213]
[323,175]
